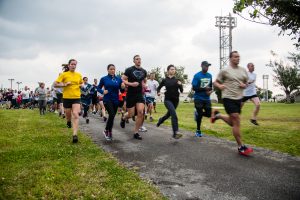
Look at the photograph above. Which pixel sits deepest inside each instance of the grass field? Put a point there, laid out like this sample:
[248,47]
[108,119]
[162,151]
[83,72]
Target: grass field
[279,125]
[38,161]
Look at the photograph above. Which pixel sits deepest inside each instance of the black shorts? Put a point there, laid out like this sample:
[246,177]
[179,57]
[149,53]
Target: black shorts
[69,102]
[202,105]
[232,105]
[246,98]
[132,100]
[95,100]
[59,97]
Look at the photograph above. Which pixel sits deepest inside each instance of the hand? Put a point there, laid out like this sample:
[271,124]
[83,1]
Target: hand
[123,85]
[105,92]
[179,83]
[243,85]
[158,94]
[222,87]
[67,83]
[135,84]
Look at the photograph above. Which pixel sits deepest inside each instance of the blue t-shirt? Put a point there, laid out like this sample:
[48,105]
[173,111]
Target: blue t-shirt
[199,83]
[113,85]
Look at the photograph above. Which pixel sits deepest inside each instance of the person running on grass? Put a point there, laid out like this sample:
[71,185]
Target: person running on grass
[86,98]
[202,85]
[110,86]
[95,99]
[232,81]
[173,86]
[71,82]
[250,93]
[133,78]
[150,94]
[41,93]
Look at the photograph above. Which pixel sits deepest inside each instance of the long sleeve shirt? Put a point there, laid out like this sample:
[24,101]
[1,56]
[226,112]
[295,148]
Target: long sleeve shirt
[113,85]
[172,88]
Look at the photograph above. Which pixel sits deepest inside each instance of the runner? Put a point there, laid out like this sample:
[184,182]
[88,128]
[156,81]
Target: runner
[86,98]
[171,101]
[232,81]
[202,85]
[250,93]
[150,94]
[95,100]
[71,82]
[25,97]
[110,86]
[41,93]
[133,78]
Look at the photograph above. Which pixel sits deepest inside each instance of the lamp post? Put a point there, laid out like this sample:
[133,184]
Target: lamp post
[11,80]
[18,82]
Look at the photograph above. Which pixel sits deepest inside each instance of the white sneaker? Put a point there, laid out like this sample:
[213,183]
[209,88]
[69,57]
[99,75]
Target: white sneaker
[143,129]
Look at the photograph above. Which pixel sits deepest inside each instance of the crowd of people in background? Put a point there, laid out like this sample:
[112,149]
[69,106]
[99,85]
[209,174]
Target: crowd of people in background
[133,96]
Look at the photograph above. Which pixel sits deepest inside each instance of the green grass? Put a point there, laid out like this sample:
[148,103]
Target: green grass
[38,161]
[279,128]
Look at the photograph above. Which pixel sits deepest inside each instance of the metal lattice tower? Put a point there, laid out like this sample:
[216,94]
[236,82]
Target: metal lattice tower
[225,24]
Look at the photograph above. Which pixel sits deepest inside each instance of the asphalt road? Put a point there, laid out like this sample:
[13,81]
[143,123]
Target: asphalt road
[200,168]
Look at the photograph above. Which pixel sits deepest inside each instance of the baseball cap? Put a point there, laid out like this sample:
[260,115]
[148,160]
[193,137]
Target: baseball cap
[205,63]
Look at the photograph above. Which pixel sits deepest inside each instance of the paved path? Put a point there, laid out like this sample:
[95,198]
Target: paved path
[200,168]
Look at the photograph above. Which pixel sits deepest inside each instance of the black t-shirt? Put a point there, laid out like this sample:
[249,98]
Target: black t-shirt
[135,74]
[172,88]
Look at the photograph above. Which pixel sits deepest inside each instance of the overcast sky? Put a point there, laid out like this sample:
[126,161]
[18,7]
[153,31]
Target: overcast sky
[36,37]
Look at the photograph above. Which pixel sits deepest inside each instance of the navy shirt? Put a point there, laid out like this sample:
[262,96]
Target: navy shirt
[200,82]
[113,85]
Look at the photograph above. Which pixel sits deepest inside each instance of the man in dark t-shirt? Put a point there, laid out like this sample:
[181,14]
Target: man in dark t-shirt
[134,77]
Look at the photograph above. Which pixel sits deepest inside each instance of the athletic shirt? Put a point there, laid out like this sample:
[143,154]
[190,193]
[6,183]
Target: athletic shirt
[71,91]
[251,89]
[41,93]
[199,83]
[232,78]
[172,88]
[152,87]
[25,94]
[135,74]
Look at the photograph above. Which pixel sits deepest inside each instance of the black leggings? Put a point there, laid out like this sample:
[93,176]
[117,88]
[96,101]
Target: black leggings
[112,109]
[203,109]
[171,106]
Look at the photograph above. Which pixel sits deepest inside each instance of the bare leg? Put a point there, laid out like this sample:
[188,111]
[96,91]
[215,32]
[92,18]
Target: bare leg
[140,116]
[235,119]
[256,102]
[75,115]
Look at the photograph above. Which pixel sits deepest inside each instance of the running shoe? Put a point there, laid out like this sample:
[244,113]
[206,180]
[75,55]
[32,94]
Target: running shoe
[127,121]
[87,121]
[177,135]
[143,129]
[159,122]
[122,123]
[214,116]
[110,135]
[69,124]
[253,121]
[137,136]
[151,119]
[198,133]
[75,138]
[243,150]
[106,134]
[133,118]
[104,119]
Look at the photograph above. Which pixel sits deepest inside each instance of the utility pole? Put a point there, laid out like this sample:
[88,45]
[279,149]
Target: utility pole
[225,24]
[265,87]
[11,80]
[18,82]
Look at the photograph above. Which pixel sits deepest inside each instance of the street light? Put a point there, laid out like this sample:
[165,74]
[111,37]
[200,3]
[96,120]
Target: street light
[18,82]
[11,80]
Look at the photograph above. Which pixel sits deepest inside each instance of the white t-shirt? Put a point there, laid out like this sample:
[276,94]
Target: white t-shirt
[25,94]
[152,86]
[251,89]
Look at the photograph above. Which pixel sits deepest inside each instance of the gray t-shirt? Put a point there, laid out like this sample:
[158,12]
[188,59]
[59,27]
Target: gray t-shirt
[41,92]
[232,78]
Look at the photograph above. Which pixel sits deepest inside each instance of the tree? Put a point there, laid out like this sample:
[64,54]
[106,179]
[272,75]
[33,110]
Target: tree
[261,93]
[180,75]
[284,14]
[286,76]
[158,74]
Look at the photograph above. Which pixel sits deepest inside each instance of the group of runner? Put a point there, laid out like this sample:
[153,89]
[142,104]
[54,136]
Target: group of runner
[237,86]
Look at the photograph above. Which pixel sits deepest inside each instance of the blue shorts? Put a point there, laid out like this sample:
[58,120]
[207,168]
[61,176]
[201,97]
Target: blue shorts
[150,100]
